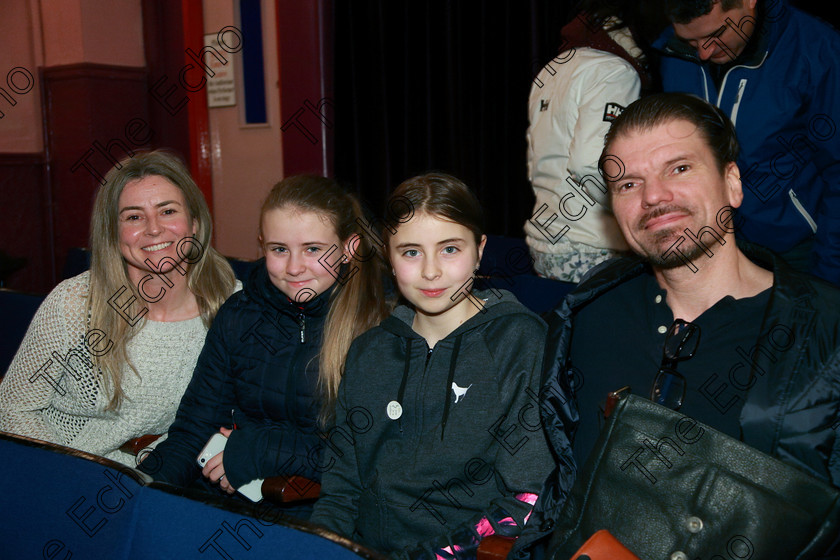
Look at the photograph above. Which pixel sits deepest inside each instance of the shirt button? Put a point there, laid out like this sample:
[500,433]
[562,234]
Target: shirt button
[679,555]
[694,524]
[662,329]
[658,299]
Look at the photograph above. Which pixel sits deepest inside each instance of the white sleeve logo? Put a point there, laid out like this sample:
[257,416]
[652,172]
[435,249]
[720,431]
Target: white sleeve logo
[612,111]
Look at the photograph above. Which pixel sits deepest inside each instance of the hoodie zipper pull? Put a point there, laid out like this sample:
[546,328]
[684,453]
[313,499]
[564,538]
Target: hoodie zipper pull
[302,321]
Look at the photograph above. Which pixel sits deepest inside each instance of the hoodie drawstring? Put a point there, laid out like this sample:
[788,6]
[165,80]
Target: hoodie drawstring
[453,360]
[401,392]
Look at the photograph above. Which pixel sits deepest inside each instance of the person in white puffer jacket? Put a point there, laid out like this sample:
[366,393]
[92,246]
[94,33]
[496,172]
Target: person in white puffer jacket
[601,69]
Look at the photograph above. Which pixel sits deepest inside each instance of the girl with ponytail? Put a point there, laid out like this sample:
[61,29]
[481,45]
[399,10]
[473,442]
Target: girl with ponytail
[267,378]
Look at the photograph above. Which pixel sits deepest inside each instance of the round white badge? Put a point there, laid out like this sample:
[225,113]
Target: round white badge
[394,410]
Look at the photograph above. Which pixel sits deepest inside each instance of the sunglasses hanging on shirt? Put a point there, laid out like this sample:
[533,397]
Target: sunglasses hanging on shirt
[669,385]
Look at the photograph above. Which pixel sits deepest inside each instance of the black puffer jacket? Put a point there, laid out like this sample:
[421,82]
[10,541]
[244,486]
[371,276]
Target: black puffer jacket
[791,412]
[258,369]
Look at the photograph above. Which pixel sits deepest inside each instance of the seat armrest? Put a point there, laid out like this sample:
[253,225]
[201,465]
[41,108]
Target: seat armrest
[494,547]
[288,489]
[134,446]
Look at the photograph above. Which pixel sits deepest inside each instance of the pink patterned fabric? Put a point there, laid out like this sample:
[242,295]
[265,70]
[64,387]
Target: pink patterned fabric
[484,528]
[528,499]
[450,553]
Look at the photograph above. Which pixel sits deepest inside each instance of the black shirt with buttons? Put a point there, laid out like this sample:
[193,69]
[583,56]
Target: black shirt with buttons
[617,340]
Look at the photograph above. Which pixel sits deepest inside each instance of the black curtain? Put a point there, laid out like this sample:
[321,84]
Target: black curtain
[443,85]
[440,85]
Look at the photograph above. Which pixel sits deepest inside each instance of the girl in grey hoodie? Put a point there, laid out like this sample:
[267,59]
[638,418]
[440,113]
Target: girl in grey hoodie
[437,439]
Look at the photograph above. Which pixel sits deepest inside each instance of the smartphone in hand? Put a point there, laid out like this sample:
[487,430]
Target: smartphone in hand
[215,445]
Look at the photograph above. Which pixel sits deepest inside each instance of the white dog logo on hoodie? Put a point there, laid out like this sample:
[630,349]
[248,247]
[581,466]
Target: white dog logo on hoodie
[460,392]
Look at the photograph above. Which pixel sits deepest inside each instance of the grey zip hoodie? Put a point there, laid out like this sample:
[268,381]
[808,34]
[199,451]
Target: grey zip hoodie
[463,455]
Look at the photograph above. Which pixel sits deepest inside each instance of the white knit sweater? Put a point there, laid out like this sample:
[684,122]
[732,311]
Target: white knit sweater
[73,413]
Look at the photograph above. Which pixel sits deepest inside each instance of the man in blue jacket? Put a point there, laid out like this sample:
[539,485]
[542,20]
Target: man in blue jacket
[775,71]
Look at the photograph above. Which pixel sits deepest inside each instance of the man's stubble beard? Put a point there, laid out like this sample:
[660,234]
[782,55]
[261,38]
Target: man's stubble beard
[668,255]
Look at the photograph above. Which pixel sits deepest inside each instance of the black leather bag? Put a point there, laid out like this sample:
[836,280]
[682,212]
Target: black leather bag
[669,487]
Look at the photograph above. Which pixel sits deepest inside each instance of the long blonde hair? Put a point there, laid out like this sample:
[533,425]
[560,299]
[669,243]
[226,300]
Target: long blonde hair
[358,303]
[209,275]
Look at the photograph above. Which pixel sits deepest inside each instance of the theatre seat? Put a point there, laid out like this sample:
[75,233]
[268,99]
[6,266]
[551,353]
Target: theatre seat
[507,265]
[538,294]
[505,256]
[240,268]
[64,503]
[16,312]
[78,261]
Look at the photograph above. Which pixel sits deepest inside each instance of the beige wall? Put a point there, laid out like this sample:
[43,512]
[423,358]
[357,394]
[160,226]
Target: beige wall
[247,159]
[92,31]
[53,33]
[20,46]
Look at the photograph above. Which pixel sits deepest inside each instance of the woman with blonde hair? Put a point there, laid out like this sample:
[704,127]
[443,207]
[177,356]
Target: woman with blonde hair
[110,352]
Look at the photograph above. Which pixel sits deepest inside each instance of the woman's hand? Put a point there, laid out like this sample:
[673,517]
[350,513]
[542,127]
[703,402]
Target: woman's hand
[214,470]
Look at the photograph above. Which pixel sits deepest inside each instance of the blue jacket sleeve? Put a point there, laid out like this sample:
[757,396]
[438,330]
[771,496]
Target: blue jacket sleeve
[270,449]
[825,107]
[205,407]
